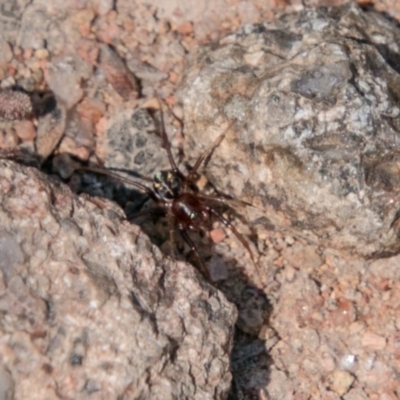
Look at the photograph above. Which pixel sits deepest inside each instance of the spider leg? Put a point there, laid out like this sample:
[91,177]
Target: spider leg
[167,144]
[143,213]
[193,248]
[171,228]
[230,203]
[206,155]
[131,173]
[232,228]
[227,201]
[138,185]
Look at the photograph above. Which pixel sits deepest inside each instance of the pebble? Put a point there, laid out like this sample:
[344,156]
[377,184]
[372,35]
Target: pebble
[373,341]
[42,54]
[340,382]
[217,235]
[25,130]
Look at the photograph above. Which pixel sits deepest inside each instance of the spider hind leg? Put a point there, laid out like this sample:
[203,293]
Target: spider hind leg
[194,250]
[238,235]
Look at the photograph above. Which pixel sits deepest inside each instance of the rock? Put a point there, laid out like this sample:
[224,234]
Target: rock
[355,394]
[51,128]
[34,25]
[6,385]
[6,53]
[15,105]
[373,341]
[25,130]
[65,75]
[315,98]
[91,309]
[132,142]
[78,136]
[316,314]
[340,382]
[117,74]
[314,145]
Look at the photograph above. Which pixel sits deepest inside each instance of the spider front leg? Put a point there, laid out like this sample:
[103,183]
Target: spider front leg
[167,144]
[143,188]
[206,155]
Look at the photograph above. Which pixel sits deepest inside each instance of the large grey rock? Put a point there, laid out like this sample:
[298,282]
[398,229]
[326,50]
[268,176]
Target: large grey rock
[315,96]
[90,309]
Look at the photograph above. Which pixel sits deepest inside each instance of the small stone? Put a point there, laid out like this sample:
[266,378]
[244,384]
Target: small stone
[151,103]
[356,327]
[83,20]
[268,335]
[310,366]
[373,341]
[65,73]
[289,240]
[217,235]
[42,54]
[25,130]
[217,269]
[340,382]
[356,394]
[88,50]
[186,28]
[106,28]
[117,74]
[91,109]
[51,128]
[5,52]
[103,6]
[327,361]
[201,182]
[63,165]
[68,145]
[290,273]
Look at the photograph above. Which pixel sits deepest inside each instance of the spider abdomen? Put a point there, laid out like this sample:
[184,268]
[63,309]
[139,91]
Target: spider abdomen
[190,211]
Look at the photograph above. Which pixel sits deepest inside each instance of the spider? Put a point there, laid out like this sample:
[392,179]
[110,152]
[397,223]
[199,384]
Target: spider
[178,196]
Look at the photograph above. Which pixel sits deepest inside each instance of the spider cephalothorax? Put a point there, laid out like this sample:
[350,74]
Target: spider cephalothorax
[167,185]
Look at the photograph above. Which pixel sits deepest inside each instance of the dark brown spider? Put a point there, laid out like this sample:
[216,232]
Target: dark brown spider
[177,194]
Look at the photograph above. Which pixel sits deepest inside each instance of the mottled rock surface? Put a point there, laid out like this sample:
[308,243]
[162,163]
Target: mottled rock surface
[91,310]
[315,146]
[318,323]
[315,96]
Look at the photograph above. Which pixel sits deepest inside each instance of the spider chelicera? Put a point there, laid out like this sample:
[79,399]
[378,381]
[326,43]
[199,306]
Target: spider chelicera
[178,196]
